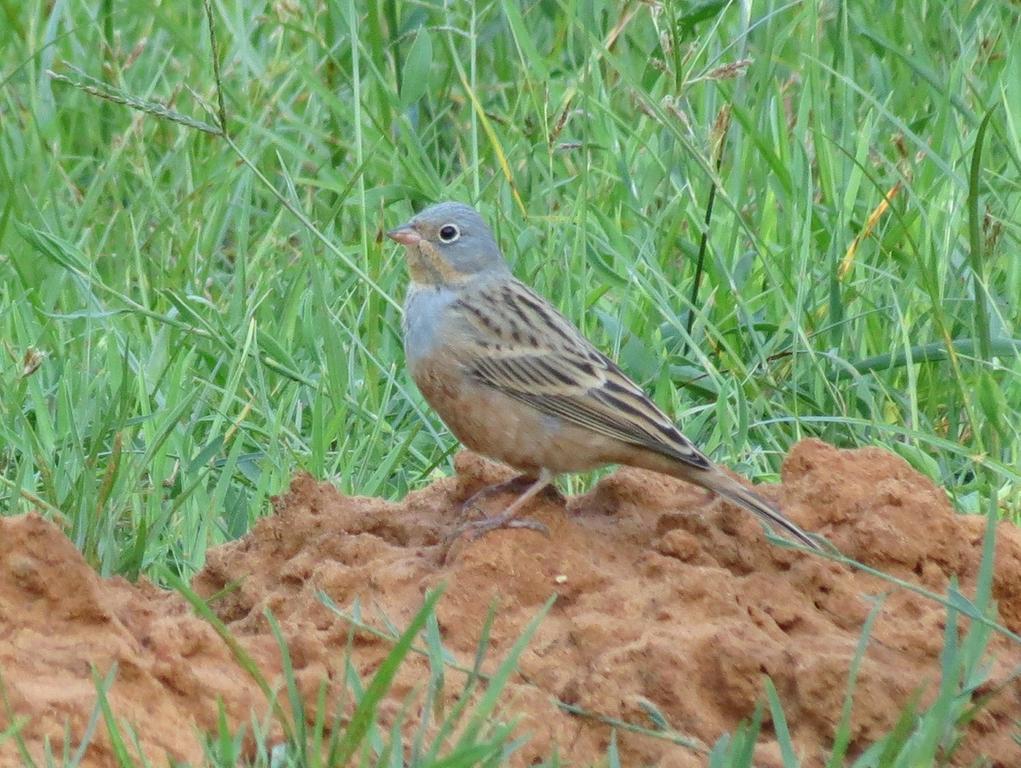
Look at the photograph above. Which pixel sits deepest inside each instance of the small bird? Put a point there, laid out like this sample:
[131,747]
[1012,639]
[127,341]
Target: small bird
[514,380]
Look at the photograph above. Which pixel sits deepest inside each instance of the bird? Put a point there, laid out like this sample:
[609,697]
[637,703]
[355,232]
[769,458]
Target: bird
[516,381]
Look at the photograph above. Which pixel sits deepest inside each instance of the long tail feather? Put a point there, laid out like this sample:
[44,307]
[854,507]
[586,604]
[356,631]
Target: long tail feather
[766,511]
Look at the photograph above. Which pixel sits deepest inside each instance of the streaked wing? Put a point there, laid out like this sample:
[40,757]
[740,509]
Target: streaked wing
[526,349]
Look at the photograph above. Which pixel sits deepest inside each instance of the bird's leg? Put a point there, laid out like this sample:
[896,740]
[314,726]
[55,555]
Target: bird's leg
[508,518]
[517,484]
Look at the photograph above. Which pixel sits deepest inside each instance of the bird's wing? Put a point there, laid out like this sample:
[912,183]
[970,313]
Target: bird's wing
[521,346]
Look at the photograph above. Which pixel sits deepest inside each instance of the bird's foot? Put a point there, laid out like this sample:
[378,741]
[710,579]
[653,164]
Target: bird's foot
[476,529]
[515,485]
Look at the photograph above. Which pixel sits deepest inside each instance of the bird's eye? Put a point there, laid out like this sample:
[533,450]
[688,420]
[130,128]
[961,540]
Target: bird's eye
[449,233]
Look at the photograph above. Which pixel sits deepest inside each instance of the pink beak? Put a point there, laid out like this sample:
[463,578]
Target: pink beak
[405,235]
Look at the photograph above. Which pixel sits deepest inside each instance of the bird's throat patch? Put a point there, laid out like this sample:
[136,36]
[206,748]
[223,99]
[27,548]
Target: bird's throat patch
[428,267]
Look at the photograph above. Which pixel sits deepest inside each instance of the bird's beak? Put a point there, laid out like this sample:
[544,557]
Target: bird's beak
[405,235]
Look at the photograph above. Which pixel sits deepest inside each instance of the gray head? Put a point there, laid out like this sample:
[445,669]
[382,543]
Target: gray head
[448,242]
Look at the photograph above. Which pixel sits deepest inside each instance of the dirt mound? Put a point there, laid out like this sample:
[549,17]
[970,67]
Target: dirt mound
[666,596]
[60,623]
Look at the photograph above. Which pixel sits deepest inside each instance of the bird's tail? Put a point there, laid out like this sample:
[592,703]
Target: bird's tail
[766,511]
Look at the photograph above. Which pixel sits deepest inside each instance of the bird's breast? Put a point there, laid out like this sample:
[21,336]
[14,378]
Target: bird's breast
[427,321]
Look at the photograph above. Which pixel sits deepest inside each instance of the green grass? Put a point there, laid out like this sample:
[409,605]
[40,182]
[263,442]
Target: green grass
[188,320]
[201,342]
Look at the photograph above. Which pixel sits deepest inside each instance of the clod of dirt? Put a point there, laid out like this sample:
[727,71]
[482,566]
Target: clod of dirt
[667,597]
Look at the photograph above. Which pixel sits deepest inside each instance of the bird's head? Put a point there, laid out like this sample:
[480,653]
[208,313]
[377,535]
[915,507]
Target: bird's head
[448,243]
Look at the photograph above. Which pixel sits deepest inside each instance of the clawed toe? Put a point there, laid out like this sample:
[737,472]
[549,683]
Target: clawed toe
[476,529]
[521,522]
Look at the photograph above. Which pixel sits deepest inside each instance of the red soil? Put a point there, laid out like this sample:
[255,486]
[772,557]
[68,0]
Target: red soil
[666,595]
